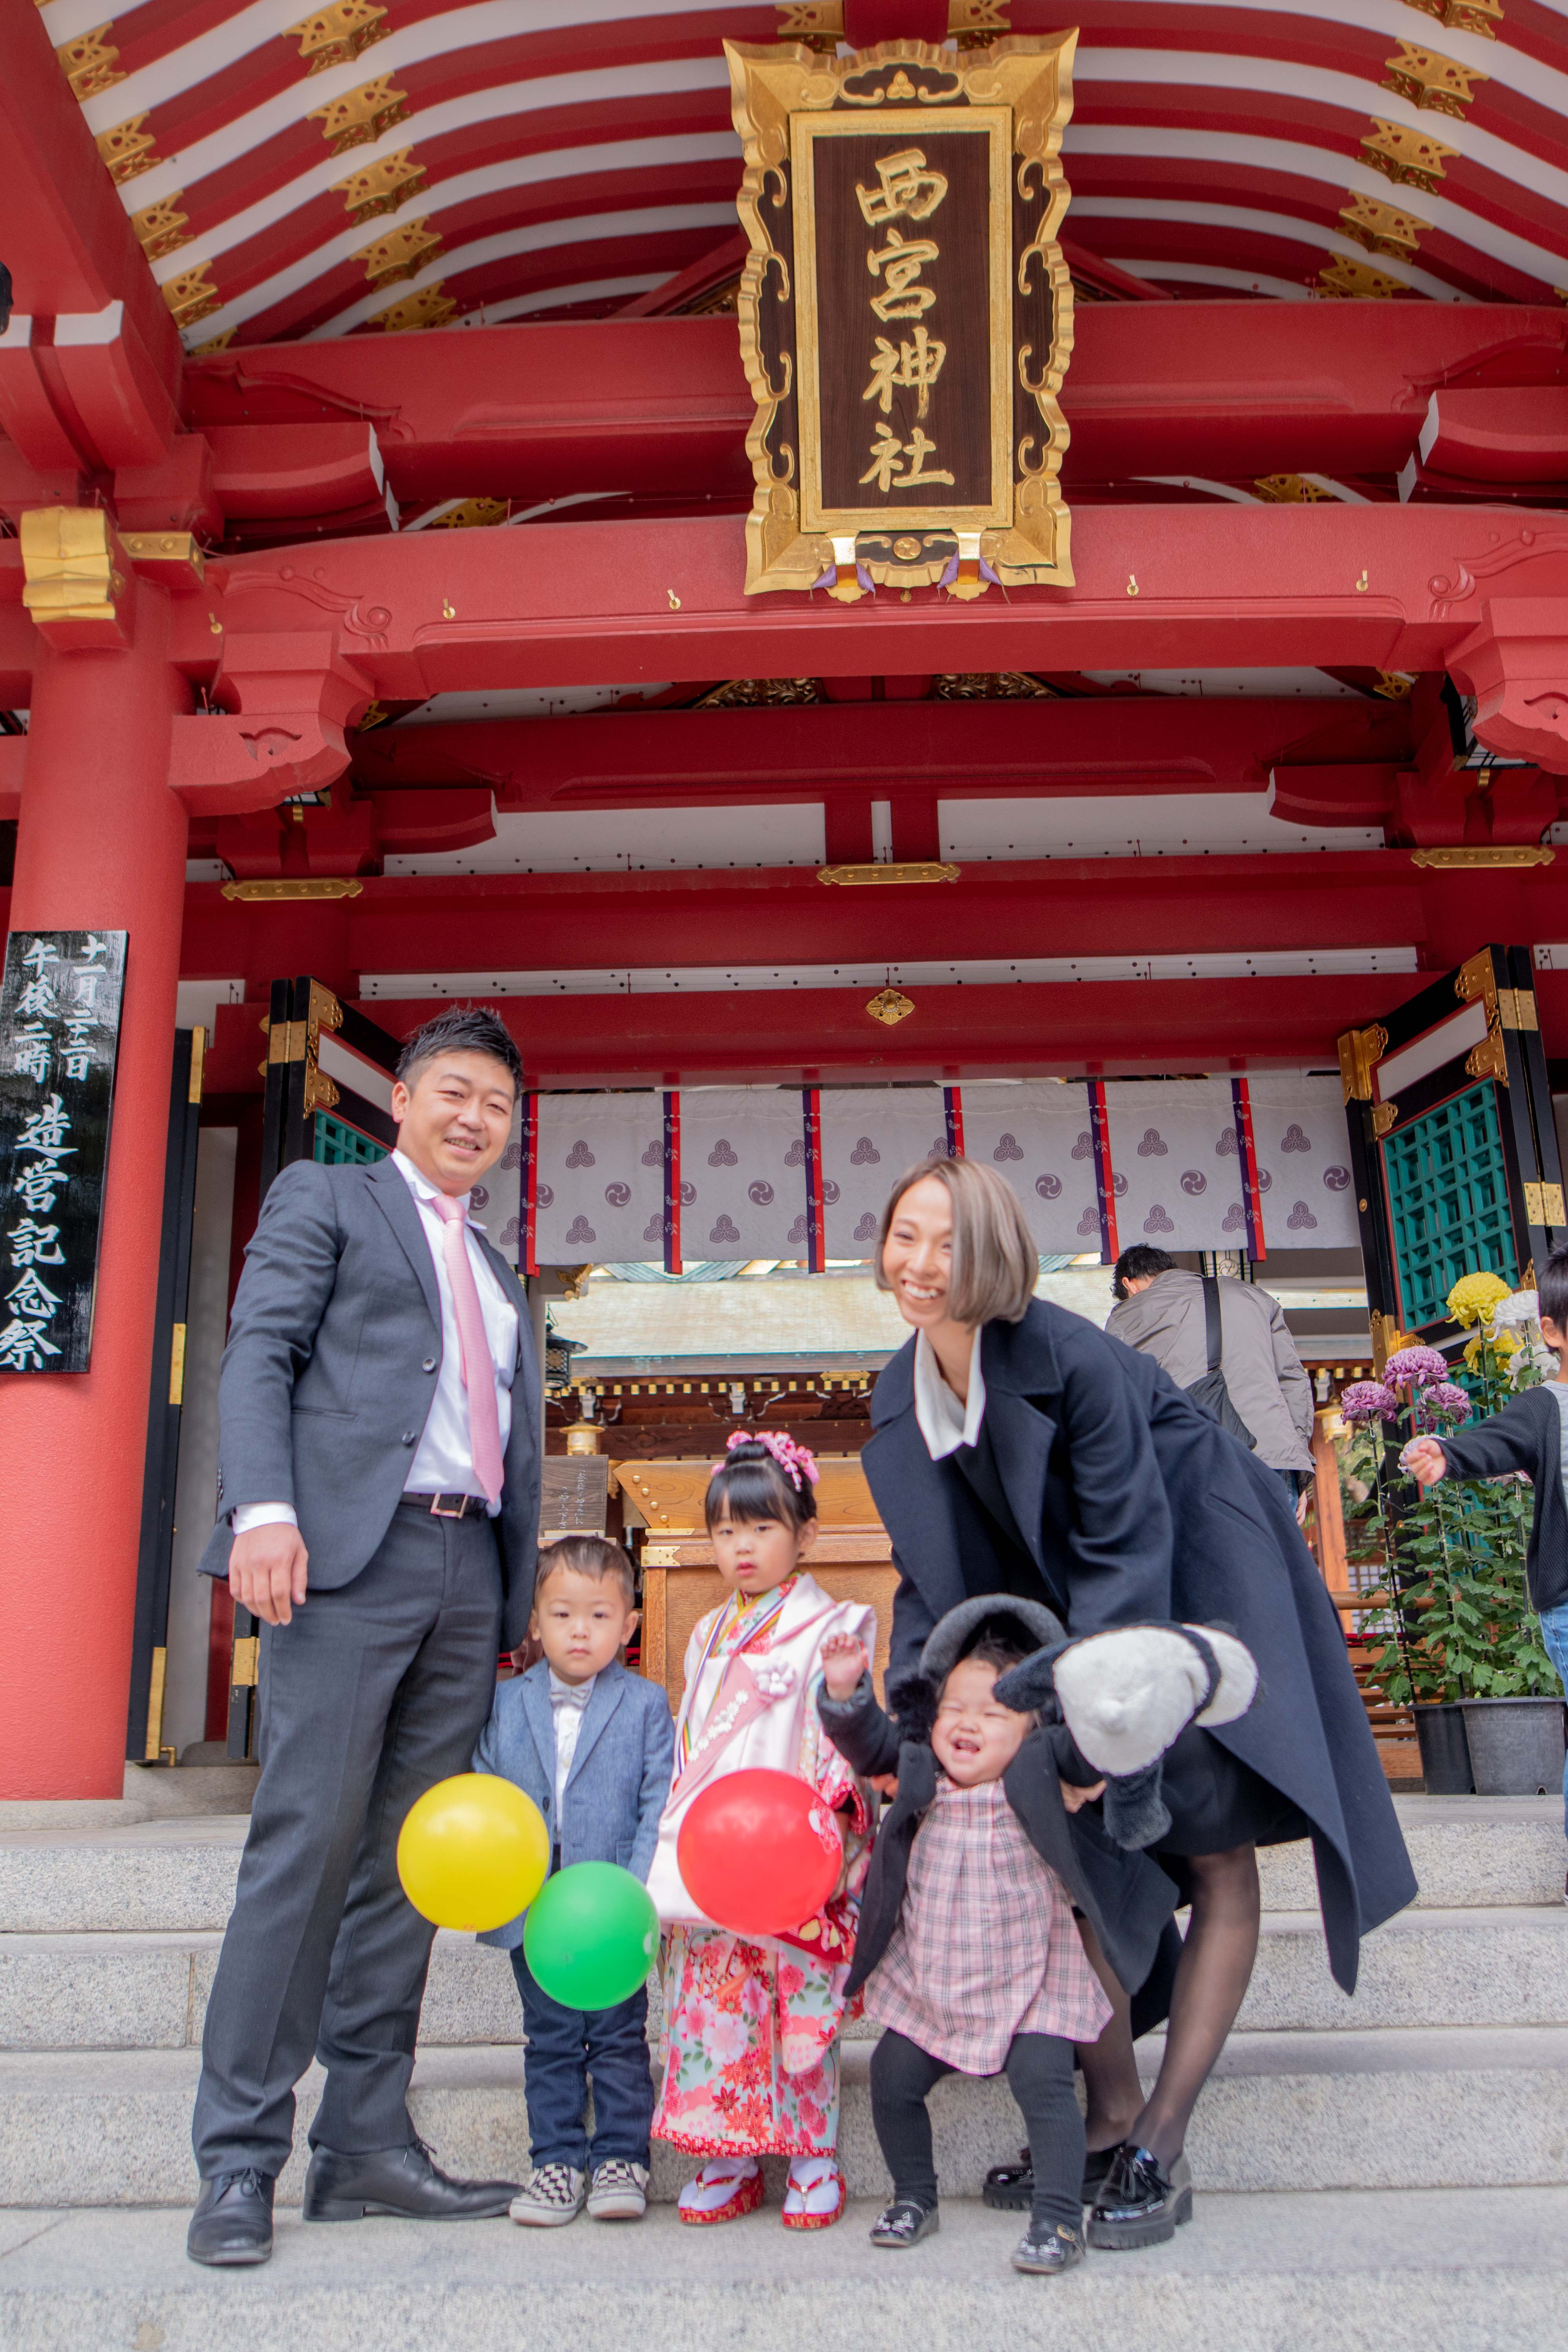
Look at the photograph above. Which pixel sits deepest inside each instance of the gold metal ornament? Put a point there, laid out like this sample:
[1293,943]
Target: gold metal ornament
[890,1006]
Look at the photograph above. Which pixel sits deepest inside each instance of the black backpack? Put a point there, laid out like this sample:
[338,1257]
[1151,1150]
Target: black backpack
[1211,1391]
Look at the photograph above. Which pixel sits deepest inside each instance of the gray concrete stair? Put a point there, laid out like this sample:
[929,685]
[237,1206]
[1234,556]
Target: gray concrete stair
[1448,2069]
[1424,2271]
[148,1990]
[1453,2107]
[175,1873]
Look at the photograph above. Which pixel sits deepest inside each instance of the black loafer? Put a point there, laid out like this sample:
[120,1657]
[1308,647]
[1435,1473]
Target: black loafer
[233,2220]
[1047,2248]
[1141,2204]
[398,2180]
[1010,2187]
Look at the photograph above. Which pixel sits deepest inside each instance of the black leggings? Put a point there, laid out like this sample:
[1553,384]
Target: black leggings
[1039,2075]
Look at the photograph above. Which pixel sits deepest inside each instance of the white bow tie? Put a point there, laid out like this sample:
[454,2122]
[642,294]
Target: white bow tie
[569,1694]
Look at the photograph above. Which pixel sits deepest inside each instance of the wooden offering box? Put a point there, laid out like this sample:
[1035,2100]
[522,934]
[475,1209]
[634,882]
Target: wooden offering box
[852,1558]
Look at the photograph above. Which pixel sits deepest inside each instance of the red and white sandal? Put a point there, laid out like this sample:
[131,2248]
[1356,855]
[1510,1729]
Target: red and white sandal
[817,2195]
[726,2189]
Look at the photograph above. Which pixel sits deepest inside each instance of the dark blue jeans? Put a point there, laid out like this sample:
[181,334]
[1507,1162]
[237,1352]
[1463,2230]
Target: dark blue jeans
[565,2048]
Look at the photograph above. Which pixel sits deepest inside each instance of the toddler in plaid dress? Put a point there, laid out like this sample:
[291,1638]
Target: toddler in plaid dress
[983,1973]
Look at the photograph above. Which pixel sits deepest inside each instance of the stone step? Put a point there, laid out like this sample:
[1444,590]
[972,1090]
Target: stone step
[178,1873]
[149,1991]
[1402,2271]
[1465,2106]
[1468,2271]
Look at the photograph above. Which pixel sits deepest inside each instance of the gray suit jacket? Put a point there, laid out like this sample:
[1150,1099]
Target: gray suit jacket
[333,1350]
[1267,1381]
[620,1773]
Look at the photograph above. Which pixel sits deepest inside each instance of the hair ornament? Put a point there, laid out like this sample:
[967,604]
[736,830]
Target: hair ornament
[793,1460]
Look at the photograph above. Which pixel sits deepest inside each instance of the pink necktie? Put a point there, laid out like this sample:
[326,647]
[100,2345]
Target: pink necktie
[478,1364]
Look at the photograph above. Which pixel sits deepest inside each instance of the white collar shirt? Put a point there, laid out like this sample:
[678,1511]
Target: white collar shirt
[443,1460]
[944,1423]
[568,1702]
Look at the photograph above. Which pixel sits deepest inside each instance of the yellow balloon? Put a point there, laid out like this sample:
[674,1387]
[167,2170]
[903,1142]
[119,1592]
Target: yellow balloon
[473,1852]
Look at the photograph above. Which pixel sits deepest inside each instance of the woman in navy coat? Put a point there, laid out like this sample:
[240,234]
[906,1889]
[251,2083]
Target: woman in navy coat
[1015,1448]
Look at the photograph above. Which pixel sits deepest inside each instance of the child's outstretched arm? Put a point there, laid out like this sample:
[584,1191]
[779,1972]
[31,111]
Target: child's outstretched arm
[863,1733]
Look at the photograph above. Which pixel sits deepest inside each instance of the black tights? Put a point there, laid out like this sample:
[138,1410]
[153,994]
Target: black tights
[1039,2075]
[1212,1978]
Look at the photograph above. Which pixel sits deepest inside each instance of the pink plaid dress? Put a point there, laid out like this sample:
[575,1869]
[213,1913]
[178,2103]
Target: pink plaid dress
[985,1946]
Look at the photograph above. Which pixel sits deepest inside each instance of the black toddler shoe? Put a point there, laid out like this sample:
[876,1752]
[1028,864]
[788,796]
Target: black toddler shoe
[1010,2187]
[397,2180]
[1141,2204]
[233,2220]
[1048,2248]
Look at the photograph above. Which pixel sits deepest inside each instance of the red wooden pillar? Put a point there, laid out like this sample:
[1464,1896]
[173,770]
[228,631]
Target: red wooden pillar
[101,845]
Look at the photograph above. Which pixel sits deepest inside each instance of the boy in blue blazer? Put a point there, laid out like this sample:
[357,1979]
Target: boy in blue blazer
[594,1746]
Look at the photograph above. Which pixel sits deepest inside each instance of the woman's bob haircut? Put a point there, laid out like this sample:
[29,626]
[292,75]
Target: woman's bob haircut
[995,1262]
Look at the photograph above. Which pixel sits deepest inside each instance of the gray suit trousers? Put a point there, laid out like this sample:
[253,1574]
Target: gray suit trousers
[372,1693]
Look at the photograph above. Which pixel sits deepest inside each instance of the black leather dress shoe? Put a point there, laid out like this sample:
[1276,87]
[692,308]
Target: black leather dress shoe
[233,2220]
[1010,2187]
[1140,2203]
[401,2180]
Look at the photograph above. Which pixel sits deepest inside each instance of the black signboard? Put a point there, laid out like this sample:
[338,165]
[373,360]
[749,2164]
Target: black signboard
[59,1036]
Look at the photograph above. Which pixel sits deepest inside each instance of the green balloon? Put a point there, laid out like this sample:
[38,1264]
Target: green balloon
[591,1936]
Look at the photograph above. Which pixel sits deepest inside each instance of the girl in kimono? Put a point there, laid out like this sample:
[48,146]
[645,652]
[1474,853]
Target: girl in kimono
[751,2067]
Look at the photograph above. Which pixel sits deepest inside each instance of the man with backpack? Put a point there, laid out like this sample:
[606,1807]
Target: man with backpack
[1226,1341]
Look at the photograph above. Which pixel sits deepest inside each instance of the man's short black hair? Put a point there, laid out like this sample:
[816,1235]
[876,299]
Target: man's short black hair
[1138,1265]
[461,1029]
[1551,1291]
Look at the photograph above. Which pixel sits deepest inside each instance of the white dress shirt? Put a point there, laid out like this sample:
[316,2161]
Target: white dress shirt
[443,1459]
[567,1703]
[944,1423]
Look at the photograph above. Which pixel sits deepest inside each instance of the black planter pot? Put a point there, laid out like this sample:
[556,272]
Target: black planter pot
[1445,1751]
[1516,1745]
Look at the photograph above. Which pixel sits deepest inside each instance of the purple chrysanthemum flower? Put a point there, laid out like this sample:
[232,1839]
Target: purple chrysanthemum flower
[1368,1400]
[1445,1401]
[1415,1364]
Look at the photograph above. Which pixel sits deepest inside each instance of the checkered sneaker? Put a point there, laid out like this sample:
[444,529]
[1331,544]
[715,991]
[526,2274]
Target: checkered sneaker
[985,1946]
[619,2191]
[554,2195]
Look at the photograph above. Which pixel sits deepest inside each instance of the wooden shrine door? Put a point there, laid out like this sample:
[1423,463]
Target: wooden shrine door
[1453,1149]
[328,1098]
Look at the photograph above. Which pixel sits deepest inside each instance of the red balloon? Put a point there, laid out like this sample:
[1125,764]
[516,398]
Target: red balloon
[759,1853]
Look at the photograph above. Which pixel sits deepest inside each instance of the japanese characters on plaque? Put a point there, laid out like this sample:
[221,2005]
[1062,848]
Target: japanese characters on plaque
[59,1034]
[905,315]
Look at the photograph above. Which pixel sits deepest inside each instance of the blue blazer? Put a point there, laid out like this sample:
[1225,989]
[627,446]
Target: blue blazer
[620,1774]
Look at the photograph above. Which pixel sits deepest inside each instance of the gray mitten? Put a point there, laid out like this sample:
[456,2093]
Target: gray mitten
[1135,1811]
[1029,1686]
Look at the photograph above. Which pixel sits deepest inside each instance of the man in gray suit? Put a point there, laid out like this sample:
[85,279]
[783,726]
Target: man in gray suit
[379,1485]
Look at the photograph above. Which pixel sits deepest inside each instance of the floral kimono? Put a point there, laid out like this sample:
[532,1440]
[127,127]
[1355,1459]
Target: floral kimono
[751,2063]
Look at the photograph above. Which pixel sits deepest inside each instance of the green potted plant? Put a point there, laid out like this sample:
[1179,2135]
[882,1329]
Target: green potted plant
[1462,1640]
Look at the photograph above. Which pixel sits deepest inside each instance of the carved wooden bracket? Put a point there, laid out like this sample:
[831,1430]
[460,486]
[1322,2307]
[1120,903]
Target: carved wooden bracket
[1515,663]
[288,698]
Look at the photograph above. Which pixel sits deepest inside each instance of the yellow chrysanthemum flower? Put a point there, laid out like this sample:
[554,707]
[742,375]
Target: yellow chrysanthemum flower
[1475,1297]
[1504,1344]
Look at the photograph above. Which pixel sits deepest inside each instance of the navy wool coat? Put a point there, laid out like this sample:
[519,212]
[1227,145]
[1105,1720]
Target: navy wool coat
[1137,1508]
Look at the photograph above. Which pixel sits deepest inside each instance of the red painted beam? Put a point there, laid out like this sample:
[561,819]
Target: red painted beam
[805,751]
[83,385]
[1075,908]
[659,406]
[1380,587]
[1059,1031]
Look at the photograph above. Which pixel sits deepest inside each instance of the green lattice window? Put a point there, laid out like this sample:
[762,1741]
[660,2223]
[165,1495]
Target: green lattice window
[338,1146]
[1447,1195]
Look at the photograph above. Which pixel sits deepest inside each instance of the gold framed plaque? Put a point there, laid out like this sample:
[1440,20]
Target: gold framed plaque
[905,314]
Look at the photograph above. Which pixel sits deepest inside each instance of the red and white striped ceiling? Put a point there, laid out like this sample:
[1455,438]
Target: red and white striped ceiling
[386,164]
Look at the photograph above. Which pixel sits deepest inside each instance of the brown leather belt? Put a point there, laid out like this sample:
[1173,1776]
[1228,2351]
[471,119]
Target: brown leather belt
[446,1506]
